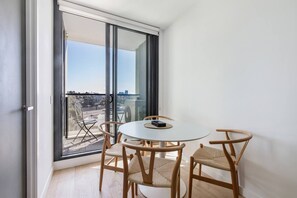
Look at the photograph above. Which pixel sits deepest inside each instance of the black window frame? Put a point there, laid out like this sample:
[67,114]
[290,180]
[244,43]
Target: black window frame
[59,77]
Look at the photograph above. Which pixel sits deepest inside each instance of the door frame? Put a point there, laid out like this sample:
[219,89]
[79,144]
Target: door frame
[59,100]
[31,98]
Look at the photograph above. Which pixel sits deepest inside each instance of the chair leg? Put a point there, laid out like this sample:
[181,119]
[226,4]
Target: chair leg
[101,170]
[191,176]
[77,135]
[116,162]
[200,169]
[132,190]
[174,186]
[235,185]
[88,130]
[136,189]
[237,182]
[173,191]
[84,136]
[178,185]
[125,188]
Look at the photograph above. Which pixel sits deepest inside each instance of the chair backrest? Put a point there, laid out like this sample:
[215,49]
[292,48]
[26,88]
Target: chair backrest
[156,117]
[245,140]
[108,129]
[148,177]
[78,111]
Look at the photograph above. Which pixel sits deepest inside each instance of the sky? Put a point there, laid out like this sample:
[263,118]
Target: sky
[86,68]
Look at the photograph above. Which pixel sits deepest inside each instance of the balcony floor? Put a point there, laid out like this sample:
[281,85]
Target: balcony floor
[78,145]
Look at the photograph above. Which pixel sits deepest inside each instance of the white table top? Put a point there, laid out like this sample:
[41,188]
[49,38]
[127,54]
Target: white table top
[181,131]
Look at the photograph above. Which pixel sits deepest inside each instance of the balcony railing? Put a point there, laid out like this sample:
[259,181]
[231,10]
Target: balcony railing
[129,107]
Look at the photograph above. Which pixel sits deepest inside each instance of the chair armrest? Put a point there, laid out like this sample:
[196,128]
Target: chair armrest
[119,137]
[247,134]
[221,142]
[106,133]
[229,141]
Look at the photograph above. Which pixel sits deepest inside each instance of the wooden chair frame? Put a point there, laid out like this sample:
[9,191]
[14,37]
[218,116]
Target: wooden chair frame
[157,117]
[106,145]
[148,177]
[232,163]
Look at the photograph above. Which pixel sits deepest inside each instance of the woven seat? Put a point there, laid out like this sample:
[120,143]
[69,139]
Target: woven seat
[212,157]
[162,171]
[150,170]
[224,159]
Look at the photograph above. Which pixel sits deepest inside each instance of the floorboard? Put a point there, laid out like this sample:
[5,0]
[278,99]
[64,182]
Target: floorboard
[83,182]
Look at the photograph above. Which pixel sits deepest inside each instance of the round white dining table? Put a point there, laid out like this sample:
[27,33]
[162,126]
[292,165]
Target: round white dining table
[179,132]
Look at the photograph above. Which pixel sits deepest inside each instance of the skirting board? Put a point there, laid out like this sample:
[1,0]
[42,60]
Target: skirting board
[69,163]
[48,181]
[248,194]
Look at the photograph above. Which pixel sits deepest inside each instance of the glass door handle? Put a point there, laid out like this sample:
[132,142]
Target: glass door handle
[28,108]
[111,98]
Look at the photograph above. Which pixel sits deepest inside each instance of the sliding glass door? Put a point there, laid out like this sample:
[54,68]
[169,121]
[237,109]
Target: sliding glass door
[130,76]
[105,80]
[85,84]
[106,76]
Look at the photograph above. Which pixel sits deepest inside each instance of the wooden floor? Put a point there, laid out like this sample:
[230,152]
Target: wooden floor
[83,182]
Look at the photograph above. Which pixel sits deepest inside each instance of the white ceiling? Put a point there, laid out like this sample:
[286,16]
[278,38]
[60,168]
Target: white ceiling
[159,13]
[91,31]
[84,30]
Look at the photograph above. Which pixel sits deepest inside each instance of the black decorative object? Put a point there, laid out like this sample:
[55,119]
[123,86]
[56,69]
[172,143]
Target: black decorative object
[158,123]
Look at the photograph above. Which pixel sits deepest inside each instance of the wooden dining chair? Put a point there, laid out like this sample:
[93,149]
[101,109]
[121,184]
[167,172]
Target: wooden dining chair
[226,159]
[150,170]
[159,117]
[112,150]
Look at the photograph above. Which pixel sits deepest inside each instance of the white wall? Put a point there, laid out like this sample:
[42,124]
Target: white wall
[44,93]
[233,64]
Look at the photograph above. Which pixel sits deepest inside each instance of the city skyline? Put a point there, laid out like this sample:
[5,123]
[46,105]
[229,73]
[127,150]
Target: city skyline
[75,92]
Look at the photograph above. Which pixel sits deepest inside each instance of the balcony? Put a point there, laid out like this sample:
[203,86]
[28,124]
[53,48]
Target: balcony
[86,111]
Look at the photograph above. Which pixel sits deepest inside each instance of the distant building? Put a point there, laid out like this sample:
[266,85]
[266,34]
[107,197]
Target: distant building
[126,91]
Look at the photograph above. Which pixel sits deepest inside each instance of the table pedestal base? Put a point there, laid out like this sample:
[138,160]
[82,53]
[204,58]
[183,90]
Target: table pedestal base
[154,192]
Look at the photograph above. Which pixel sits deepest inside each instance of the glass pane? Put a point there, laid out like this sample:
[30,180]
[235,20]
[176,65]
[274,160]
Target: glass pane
[84,83]
[131,76]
